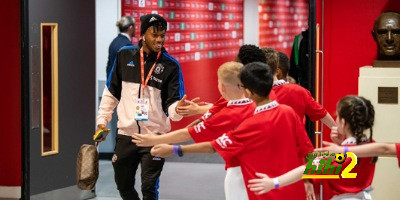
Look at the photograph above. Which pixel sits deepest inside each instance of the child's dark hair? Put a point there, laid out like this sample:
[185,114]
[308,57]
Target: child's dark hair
[359,114]
[272,58]
[257,77]
[283,63]
[249,53]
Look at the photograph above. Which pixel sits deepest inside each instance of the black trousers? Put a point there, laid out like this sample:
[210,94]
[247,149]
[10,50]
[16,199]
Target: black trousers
[126,159]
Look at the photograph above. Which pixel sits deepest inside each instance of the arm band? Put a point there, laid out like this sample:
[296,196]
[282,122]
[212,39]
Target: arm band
[175,149]
[180,153]
[276,183]
[346,149]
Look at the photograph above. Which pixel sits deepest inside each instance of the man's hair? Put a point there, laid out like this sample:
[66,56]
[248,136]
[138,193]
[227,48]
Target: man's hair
[257,77]
[283,63]
[229,72]
[124,23]
[272,58]
[250,53]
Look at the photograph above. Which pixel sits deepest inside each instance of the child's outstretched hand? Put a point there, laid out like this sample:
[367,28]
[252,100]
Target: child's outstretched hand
[162,150]
[193,107]
[331,147]
[144,140]
[261,185]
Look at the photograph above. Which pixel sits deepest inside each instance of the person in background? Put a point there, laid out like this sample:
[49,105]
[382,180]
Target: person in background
[283,68]
[126,26]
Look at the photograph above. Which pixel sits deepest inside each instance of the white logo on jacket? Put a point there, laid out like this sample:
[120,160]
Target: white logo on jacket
[223,140]
[130,64]
[156,79]
[159,68]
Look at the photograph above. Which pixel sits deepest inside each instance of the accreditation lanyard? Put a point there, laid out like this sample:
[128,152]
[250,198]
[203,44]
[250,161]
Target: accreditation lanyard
[144,82]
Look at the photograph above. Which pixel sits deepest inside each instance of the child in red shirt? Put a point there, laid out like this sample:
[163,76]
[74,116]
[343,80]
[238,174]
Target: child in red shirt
[295,96]
[355,115]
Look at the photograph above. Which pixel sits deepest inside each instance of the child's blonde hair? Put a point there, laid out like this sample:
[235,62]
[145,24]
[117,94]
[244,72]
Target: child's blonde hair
[229,72]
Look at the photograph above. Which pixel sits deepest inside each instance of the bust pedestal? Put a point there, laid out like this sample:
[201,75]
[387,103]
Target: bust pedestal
[380,86]
[386,63]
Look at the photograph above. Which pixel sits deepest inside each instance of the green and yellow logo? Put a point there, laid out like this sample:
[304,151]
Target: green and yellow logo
[325,169]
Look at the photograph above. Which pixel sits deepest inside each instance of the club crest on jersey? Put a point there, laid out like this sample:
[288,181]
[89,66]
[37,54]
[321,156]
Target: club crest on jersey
[159,68]
[199,127]
[223,141]
[206,115]
[130,64]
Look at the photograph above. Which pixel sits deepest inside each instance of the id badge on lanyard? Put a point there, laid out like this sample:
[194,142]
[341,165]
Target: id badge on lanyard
[142,109]
[143,104]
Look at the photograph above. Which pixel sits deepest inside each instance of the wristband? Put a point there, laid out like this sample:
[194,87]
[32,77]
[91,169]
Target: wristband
[175,149]
[180,153]
[276,183]
[346,149]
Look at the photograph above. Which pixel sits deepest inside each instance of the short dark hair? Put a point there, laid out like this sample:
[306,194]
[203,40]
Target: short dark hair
[257,77]
[283,64]
[250,53]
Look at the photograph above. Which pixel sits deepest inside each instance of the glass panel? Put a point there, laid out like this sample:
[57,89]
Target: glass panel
[47,83]
[49,46]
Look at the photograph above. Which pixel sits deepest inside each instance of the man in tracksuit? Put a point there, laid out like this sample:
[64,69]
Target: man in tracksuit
[147,84]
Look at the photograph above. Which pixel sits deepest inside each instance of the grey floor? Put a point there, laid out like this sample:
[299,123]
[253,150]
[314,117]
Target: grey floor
[178,181]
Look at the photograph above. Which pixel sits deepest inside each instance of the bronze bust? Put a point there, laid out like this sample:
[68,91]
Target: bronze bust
[386,34]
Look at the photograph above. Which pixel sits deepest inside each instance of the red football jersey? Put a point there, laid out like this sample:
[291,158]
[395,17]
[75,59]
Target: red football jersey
[221,103]
[365,170]
[217,106]
[267,142]
[299,99]
[226,119]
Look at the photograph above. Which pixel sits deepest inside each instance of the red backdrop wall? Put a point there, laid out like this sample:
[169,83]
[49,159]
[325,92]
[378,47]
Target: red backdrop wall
[280,21]
[348,45]
[10,70]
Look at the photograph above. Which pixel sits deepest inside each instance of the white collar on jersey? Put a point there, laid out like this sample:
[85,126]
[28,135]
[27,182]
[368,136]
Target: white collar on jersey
[353,140]
[266,107]
[279,83]
[239,102]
